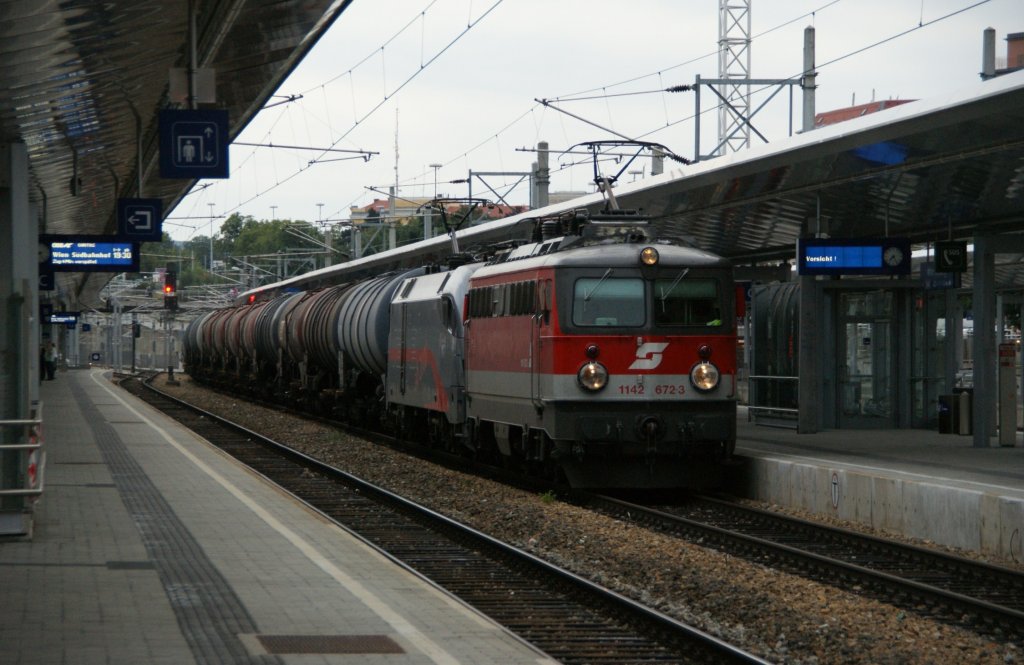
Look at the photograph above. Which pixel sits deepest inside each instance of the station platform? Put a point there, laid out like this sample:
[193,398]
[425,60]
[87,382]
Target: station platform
[918,483]
[151,546]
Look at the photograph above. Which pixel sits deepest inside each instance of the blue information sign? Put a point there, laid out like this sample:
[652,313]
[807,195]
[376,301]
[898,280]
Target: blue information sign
[140,219]
[853,256]
[64,317]
[938,280]
[86,253]
[193,143]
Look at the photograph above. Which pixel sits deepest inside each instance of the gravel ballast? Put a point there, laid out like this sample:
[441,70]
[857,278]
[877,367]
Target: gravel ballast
[780,617]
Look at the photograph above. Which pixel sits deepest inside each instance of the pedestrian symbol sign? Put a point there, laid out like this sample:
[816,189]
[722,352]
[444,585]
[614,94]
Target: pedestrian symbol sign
[140,219]
[193,143]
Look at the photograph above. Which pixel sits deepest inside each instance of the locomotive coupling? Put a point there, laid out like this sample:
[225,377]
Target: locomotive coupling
[650,428]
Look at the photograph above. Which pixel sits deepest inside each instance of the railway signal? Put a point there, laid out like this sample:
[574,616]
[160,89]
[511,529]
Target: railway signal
[170,290]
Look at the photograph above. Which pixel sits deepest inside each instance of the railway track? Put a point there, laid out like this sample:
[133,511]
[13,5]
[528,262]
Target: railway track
[570,618]
[953,589]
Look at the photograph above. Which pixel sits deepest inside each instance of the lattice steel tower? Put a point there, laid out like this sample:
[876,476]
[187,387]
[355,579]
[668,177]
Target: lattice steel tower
[734,63]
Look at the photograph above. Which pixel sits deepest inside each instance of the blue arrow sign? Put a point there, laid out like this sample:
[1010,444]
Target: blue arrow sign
[193,144]
[140,219]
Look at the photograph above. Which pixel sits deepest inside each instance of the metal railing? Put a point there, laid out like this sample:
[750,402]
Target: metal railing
[754,394]
[31,442]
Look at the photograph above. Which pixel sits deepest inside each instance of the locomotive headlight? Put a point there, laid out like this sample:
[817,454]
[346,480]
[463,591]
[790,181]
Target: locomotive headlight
[704,376]
[593,376]
[649,256]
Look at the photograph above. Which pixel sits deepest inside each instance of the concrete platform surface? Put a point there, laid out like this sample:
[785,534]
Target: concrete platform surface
[150,546]
[919,483]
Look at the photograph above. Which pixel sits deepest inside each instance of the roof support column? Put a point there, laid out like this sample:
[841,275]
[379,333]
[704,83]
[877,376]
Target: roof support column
[983,306]
[810,370]
[19,332]
[986,396]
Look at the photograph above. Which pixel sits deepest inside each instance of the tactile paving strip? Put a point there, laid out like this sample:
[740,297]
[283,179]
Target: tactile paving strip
[210,614]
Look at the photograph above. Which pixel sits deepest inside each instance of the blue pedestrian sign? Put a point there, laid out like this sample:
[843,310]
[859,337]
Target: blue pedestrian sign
[140,219]
[193,144]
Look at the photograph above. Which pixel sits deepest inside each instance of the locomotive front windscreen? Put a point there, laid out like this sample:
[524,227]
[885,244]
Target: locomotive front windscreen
[608,301]
[687,302]
[675,301]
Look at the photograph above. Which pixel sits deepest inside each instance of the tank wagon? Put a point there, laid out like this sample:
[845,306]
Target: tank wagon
[591,351]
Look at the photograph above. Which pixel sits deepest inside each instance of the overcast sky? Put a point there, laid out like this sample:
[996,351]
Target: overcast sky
[400,68]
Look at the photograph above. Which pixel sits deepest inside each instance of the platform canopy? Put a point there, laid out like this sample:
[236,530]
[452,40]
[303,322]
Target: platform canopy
[82,81]
[929,170]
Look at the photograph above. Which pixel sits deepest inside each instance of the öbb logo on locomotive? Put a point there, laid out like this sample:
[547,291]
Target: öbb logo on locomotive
[648,355]
[528,354]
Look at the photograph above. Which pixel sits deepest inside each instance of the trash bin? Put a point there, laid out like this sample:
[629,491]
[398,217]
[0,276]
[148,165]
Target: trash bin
[965,416]
[955,412]
[946,412]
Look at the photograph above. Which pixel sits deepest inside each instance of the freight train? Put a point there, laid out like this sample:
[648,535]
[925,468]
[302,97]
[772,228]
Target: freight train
[590,351]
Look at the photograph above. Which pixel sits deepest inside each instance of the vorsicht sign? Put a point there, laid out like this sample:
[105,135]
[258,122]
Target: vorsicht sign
[853,256]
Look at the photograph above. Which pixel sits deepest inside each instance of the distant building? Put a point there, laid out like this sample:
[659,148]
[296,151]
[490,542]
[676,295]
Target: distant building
[1015,51]
[851,112]
[991,65]
[380,208]
[407,209]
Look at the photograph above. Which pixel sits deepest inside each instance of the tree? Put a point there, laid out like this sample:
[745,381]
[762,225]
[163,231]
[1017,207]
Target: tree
[233,227]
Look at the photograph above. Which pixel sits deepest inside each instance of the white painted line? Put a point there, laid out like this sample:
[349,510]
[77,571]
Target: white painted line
[434,651]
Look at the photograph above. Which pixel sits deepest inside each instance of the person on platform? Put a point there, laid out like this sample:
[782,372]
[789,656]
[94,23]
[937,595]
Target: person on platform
[51,361]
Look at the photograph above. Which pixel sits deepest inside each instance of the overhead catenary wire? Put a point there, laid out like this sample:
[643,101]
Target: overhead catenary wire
[420,16]
[469,25]
[562,98]
[377,106]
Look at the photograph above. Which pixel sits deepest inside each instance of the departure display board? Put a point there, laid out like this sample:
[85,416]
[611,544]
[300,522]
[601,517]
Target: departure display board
[853,256]
[64,317]
[87,254]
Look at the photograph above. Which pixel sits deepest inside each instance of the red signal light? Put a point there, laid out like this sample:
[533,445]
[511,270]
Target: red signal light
[170,282]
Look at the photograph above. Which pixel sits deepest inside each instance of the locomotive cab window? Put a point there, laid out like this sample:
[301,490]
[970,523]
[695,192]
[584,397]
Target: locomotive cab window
[608,301]
[687,302]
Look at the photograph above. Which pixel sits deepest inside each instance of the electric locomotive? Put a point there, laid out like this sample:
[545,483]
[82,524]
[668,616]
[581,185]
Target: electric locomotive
[607,353]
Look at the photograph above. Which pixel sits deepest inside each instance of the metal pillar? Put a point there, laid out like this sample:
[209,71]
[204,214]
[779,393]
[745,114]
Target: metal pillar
[135,322]
[169,348]
[808,81]
[734,63]
[810,370]
[657,162]
[988,54]
[116,352]
[983,306]
[357,242]
[542,177]
[19,341]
